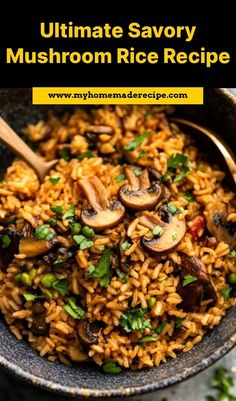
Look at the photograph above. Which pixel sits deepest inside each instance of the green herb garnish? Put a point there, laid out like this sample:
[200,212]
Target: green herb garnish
[134,320]
[83,242]
[54,180]
[148,339]
[161,327]
[188,280]
[52,222]
[223,383]
[233,253]
[103,268]
[137,171]
[188,196]
[61,286]
[88,232]
[58,210]
[173,209]
[75,228]
[226,292]
[158,231]
[174,236]
[44,232]
[137,141]
[141,154]
[30,297]
[120,178]
[125,245]
[111,367]
[178,322]
[65,154]
[73,309]
[178,165]
[69,214]
[87,154]
[6,241]
[122,276]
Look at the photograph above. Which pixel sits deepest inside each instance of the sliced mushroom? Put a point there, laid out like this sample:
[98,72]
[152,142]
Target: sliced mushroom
[7,252]
[202,289]
[75,351]
[61,257]
[140,193]
[31,247]
[100,129]
[87,332]
[217,224]
[102,212]
[39,326]
[173,232]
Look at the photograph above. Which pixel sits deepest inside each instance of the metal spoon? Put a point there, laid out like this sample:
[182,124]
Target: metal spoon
[19,147]
[219,143]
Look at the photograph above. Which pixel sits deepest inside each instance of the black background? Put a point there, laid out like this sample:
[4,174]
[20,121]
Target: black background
[215,31]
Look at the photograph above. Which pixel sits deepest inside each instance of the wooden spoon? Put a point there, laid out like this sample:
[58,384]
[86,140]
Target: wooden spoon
[218,142]
[19,147]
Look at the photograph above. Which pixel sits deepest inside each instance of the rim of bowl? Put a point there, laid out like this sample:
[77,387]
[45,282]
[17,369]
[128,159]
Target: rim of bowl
[187,373]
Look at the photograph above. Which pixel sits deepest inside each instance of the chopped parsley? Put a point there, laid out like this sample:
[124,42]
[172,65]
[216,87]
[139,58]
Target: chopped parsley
[233,253]
[6,241]
[188,196]
[148,339]
[73,309]
[52,222]
[161,327]
[125,245]
[178,322]
[103,269]
[30,297]
[61,286]
[88,232]
[58,210]
[226,292]
[137,171]
[69,214]
[87,154]
[134,320]
[158,231]
[141,154]
[75,228]
[54,180]
[223,383]
[173,209]
[65,154]
[111,367]
[44,232]
[178,167]
[137,141]
[122,276]
[83,242]
[120,178]
[188,280]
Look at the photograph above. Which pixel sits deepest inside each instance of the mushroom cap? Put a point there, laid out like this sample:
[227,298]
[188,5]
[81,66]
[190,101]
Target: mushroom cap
[217,224]
[141,199]
[106,218]
[31,247]
[173,233]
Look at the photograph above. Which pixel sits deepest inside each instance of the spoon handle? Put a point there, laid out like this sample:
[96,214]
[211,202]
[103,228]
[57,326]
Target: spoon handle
[18,146]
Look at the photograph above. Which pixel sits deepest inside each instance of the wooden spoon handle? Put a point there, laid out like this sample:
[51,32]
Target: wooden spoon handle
[18,146]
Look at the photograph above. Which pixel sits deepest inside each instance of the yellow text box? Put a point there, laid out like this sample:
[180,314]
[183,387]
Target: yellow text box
[119,95]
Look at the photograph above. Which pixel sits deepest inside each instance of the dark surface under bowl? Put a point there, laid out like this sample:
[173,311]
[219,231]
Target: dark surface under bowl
[218,113]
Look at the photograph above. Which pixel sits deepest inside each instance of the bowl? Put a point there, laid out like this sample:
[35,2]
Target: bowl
[219,114]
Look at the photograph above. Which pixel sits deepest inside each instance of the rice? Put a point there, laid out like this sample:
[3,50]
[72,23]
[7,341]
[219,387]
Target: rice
[47,316]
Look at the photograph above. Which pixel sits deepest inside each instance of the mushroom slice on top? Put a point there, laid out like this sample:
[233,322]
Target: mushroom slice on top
[102,212]
[202,289]
[170,235]
[219,227]
[31,247]
[87,332]
[140,193]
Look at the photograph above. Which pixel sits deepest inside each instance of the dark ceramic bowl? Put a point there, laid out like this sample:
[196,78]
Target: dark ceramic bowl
[218,113]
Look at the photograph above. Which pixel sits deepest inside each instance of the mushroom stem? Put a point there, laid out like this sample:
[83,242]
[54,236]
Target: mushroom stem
[151,221]
[95,193]
[144,181]
[131,177]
